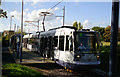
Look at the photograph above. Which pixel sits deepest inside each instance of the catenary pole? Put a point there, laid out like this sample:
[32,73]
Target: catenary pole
[21,34]
[63,15]
[113,39]
[38,25]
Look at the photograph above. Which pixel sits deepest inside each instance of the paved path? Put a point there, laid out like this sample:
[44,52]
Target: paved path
[7,56]
[31,57]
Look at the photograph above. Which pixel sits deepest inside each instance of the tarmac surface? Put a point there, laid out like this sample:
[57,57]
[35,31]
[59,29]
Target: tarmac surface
[41,64]
[30,57]
[7,56]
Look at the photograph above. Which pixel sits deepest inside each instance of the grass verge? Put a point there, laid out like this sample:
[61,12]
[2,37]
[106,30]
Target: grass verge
[105,52]
[17,70]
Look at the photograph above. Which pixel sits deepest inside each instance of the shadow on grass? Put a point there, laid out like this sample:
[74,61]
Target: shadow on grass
[45,66]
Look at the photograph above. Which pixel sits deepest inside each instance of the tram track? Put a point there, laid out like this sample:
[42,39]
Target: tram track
[100,72]
[55,70]
[95,72]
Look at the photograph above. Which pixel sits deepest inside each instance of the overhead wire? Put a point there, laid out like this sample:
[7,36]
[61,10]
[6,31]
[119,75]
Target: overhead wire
[54,6]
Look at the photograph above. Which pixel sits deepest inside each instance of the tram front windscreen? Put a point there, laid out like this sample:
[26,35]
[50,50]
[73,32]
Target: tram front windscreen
[86,42]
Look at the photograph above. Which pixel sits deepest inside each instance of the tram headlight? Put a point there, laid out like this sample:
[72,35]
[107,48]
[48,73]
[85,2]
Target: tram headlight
[78,56]
[98,56]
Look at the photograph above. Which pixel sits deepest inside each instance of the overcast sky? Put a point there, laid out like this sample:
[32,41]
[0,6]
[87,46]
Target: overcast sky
[90,14]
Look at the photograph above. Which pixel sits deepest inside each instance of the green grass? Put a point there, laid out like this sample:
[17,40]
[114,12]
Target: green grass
[105,51]
[108,43]
[17,70]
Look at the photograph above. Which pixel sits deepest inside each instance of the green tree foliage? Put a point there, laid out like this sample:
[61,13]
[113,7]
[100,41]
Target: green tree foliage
[6,38]
[107,34]
[101,30]
[119,34]
[3,13]
[19,32]
[75,25]
[78,26]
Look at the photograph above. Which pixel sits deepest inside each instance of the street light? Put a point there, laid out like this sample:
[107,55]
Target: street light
[45,14]
[11,21]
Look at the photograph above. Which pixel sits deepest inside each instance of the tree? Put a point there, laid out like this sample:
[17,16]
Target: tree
[3,14]
[101,30]
[75,25]
[19,32]
[107,34]
[78,26]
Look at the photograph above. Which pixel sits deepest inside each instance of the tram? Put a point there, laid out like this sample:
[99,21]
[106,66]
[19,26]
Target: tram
[31,42]
[70,47]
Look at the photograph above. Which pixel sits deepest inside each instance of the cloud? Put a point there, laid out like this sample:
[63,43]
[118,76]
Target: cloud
[36,1]
[4,27]
[16,14]
[27,9]
[87,24]
[35,14]
[56,8]
[50,21]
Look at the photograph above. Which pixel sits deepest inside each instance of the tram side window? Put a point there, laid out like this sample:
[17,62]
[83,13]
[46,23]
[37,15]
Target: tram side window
[55,42]
[67,42]
[61,43]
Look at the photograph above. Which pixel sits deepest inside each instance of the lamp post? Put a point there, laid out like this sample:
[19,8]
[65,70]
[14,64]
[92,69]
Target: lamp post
[11,21]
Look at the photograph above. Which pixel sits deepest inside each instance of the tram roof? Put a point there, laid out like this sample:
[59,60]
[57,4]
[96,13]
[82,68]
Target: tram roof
[86,31]
[70,27]
[64,30]
[28,36]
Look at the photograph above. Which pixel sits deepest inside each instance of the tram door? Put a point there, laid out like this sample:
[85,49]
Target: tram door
[69,48]
[55,47]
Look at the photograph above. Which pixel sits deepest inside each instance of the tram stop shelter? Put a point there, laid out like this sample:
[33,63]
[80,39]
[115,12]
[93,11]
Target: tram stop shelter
[15,43]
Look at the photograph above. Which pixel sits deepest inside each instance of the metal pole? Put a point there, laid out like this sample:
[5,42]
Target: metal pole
[14,34]
[63,15]
[17,28]
[113,39]
[11,21]
[43,22]
[38,25]
[21,34]
[14,28]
